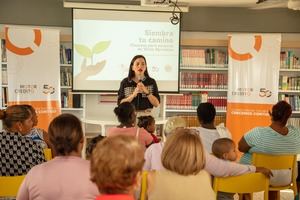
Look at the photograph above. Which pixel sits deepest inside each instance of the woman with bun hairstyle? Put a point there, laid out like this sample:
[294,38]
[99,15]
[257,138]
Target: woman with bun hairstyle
[67,176]
[127,117]
[18,153]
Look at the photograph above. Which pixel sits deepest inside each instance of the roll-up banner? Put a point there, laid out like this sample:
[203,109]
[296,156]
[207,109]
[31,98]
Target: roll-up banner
[33,70]
[253,76]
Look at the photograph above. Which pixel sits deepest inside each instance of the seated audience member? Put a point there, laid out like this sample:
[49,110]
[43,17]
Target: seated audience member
[116,166]
[278,138]
[148,123]
[206,113]
[18,154]
[127,117]
[224,148]
[36,134]
[92,144]
[183,176]
[67,176]
[215,166]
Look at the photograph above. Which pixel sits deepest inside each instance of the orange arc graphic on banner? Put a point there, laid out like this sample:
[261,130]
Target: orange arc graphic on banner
[244,56]
[23,51]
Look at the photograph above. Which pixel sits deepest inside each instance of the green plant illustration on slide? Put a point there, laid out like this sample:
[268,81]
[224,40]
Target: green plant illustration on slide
[87,53]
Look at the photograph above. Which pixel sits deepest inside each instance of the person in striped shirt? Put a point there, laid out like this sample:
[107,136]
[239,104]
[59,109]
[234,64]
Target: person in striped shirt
[278,138]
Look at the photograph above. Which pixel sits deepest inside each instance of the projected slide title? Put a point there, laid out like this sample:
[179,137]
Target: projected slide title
[106,41]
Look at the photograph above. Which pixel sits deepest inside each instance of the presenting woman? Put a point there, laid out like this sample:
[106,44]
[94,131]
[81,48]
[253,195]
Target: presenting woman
[139,88]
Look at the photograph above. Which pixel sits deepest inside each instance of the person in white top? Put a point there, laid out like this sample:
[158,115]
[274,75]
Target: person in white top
[206,113]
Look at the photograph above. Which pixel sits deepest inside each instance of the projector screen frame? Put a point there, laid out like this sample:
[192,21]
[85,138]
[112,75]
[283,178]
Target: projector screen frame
[79,91]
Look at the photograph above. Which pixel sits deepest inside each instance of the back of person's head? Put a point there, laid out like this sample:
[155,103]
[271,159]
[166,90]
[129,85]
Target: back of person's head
[173,123]
[125,113]
[33,112]
[206,113]
[65,134]
[14,114]
[115,164]
[183,152]
[281,112]
[131,72]
[92,144]
[145,121]
[222,146]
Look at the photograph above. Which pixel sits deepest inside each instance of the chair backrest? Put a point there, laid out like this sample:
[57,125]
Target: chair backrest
[9,185]
[274,161]
[247,183]
[48,154]
[144,185]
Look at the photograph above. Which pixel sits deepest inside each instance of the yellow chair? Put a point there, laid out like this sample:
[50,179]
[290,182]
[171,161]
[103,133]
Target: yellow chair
[277,162]
[247,183]
[9,185]
[48,154]
[144,185]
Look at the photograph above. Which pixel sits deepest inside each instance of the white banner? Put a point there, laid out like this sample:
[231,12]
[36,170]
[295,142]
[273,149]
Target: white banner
[34,70]
[254,62]
[253,74]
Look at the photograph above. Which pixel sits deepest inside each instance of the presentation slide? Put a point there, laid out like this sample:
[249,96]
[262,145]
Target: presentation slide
[105,41]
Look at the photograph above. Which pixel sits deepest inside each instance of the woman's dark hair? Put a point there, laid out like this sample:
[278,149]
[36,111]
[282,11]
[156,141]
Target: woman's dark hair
[206,113]
[144,121]
[281,112]
[92,144]
[125,112]
[65,133]
[13,114]
[131,72]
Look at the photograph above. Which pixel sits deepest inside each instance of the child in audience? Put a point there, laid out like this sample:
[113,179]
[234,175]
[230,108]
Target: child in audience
[91,145]
[38,135]
[224,148]
[116,165]
[148,123]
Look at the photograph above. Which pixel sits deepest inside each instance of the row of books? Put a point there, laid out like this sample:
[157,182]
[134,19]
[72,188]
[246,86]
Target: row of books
[66,76]
[192,120]
[3,51]
[199,57]
[70,100]
[203,80]
[4,96]
[190,101]
[293,100]
[65,55]
[294,122]
[289,83]
[4,76]
[288,60]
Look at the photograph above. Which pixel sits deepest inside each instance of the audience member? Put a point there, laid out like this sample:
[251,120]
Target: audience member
[183,159]
[67,176]
[224,148]
[148,123]
[36,134]
[127,117]
[116,166]
[206,113]
[91,145]
[18,154]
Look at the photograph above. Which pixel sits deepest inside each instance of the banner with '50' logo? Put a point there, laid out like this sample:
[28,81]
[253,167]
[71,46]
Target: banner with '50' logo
[33,70]
[253,76]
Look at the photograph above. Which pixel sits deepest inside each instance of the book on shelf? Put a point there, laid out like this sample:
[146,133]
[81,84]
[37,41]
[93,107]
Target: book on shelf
[191,57]
[293,100]
[4,96]
[70,100]
[66,76]
[289,82]
[3,51]
[192,120]
[294,122]
[190,101]
[4,76]
[203,80]
[65,55]
[288,60]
